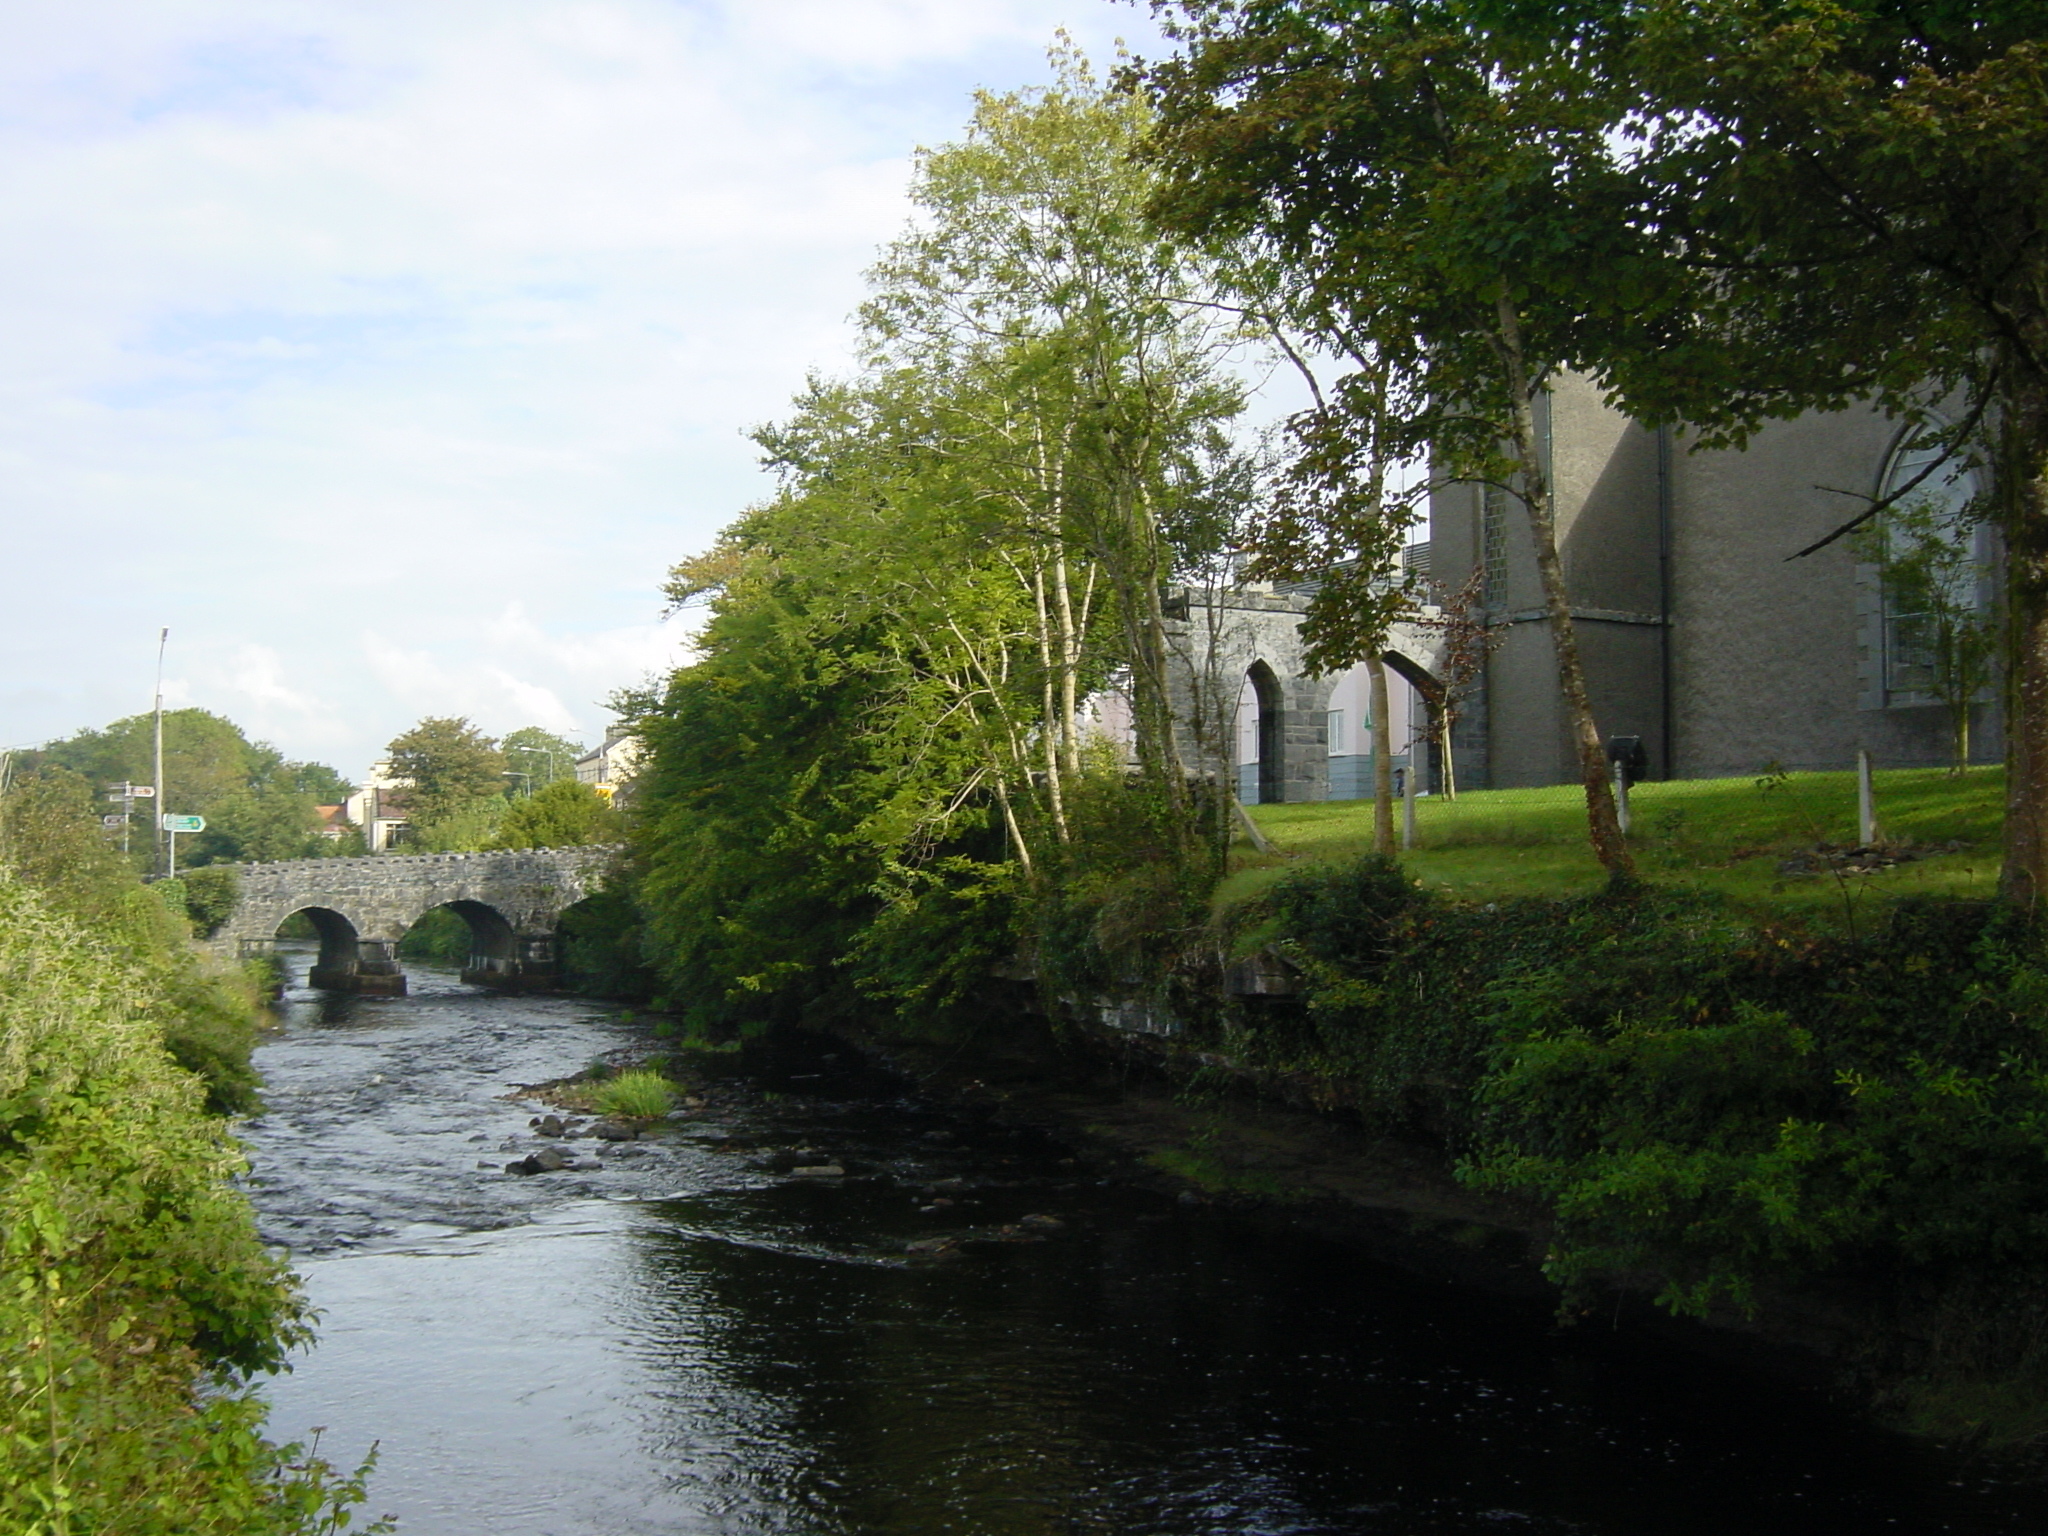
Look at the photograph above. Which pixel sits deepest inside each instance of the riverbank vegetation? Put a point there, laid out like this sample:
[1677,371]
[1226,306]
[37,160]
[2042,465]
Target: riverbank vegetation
[136,1300]
[1730,1109]
[884,753]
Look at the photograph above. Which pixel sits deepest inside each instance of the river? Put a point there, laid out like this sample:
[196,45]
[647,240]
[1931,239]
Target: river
[685,1339]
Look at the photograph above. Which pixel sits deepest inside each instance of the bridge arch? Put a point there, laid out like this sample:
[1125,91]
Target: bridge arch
[495,950]
[342,956]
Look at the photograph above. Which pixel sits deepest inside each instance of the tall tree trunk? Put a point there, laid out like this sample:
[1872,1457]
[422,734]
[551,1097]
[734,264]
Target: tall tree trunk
[1070,666]
[1049,730]
[2023,501]
[1602,822]
[1382,756]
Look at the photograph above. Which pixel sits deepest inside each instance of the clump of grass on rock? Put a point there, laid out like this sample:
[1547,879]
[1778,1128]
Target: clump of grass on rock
[641,1094]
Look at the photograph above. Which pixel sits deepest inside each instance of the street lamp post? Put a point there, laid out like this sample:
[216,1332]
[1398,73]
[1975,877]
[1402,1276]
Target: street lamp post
[548,752]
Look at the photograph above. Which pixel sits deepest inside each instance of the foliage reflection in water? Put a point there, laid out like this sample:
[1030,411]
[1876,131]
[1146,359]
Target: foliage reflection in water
[688,1340]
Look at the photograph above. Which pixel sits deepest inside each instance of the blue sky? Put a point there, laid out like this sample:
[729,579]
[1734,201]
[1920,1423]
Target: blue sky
[390,353]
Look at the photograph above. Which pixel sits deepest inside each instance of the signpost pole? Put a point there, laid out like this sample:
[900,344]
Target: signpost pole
[163,639]
[172,826]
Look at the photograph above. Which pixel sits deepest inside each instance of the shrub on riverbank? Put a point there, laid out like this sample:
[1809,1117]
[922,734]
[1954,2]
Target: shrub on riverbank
[637,1094]
[51,840]
[134,1292]
[1728,1107]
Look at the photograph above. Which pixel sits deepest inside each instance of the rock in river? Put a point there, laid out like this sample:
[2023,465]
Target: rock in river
[545,1160]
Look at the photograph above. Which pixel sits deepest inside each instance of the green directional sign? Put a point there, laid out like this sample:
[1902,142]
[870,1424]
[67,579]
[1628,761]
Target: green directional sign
[183,823]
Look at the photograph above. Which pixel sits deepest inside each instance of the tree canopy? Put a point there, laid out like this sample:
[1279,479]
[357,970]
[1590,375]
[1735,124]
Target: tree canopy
[539,758]
[971,536]
[449,765]
[565,814]
[258,804]
[1438,213]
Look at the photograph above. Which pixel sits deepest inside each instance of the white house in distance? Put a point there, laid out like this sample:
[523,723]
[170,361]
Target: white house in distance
[379,807]
[609,769]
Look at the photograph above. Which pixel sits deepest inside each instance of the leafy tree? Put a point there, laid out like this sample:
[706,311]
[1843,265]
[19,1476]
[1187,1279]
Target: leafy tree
[206,757]
[1854,192]
[1930,578]
[449,764]
[256,825]
[566,814]
[317,780]
[211,769]
[1440,209]
[542,757]
[755,884]
[50,837]
[968,538]
[1096,389]
[467,829]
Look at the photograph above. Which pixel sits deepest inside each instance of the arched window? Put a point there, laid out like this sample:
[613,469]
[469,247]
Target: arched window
[1933,561]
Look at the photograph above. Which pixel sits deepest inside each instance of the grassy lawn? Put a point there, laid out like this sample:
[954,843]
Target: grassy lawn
[1728,835]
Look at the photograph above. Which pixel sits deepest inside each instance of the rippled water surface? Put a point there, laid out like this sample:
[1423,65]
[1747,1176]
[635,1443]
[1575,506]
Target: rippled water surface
[677,1337]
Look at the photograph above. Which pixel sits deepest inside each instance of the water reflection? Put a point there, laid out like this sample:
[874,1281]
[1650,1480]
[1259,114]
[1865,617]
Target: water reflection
[727,1349]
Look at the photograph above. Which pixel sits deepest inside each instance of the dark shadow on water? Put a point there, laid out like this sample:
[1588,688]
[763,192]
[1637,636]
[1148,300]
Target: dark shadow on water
[692,1338]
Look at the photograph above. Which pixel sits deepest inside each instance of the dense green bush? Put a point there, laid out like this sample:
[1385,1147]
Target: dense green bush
[210,896]
[50,839]
[130,1270]
[944,929]
[1724,1106]
[441,934]
[601,940]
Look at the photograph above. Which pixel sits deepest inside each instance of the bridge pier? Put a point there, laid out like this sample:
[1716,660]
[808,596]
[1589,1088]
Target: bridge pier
[373,969]
[530,967]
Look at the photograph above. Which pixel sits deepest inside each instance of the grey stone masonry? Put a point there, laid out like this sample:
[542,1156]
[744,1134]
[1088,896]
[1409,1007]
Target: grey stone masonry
[1220,636]
[362,907]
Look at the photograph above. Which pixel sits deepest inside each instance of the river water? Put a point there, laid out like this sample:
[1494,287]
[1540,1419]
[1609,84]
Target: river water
[679,1338]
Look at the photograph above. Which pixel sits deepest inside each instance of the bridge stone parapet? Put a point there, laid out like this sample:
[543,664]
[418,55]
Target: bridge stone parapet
[512,901]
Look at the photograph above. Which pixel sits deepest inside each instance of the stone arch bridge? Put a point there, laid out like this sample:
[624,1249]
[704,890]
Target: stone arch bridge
[361,907]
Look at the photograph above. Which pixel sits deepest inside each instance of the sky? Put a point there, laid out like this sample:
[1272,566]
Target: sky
[389,353]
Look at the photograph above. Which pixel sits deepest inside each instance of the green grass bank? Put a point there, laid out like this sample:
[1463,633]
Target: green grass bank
[1727,836]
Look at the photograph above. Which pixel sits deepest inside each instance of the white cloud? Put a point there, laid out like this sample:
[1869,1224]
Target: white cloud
[258,675]
[441,324]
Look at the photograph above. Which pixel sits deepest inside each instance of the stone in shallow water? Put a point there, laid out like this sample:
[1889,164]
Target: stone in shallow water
[546,1160]
[820,1171]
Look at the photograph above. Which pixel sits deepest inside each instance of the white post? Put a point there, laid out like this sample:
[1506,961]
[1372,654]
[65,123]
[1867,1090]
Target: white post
[171,837]
[1866,801]
[1621,795]
[1408,801]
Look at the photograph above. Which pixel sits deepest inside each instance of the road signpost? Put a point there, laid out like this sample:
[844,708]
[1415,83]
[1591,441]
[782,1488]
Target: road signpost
[172,826]
[126,795]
